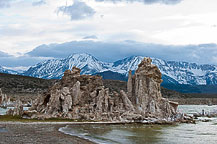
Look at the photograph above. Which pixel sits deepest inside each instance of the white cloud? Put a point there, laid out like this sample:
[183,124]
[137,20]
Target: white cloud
[24,26]
[39,3]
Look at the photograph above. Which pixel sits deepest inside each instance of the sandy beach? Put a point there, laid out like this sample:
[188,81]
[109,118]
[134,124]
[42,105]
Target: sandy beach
[36,133]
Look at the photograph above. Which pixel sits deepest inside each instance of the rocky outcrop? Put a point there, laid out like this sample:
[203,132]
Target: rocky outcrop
[4,99]
[84,97]
[145,92]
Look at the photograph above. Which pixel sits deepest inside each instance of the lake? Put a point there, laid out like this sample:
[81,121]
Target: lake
[200,133]
[3,111]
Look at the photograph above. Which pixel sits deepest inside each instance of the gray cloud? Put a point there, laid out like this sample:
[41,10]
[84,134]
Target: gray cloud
[38,3]
[2,54]
[169,2]
[78,10]
[5,3]
[12,61]
[113,51]
[108,51]
[90,37]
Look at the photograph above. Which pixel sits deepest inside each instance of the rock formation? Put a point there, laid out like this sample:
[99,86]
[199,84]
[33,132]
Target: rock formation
[84,97]
[4,99]
[144,91]
[18,109]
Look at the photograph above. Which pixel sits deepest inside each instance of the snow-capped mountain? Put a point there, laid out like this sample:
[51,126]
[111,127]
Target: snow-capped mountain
[173,72]
[9,71]
[55,68]
[2,70]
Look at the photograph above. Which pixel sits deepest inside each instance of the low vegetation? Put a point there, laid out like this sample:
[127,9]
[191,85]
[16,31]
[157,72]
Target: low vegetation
[27,88]
[9,118]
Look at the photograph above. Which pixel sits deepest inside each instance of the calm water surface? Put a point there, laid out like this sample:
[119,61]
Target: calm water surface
[3,111]
[200,133]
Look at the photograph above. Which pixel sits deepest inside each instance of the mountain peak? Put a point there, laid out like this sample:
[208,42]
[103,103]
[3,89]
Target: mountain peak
[80,55]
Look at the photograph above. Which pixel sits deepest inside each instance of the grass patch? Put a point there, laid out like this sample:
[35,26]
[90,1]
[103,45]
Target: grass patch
[9,118]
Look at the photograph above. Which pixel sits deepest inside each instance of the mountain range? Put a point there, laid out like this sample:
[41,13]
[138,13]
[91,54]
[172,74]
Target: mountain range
[8,71]
[2,70]
[173,72]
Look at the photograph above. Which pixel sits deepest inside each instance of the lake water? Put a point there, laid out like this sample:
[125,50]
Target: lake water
[3,111]
[200,133]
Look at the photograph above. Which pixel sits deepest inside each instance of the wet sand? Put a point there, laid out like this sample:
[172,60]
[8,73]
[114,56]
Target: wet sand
[36,133]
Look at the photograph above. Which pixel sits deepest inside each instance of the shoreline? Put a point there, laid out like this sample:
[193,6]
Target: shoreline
[195,101]
[44,132]
[37,133]
[60,123]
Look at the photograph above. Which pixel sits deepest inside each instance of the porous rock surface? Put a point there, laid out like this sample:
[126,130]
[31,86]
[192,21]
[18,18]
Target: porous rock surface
[4,99]
[5,102]
[18,109]
[84,97]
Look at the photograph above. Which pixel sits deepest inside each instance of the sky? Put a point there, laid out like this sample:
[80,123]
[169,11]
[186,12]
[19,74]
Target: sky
[35,30]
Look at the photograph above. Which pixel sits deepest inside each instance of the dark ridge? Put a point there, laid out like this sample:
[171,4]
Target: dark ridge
[194,89]
[168,83]
[112,75]
[23,86]
[27,88]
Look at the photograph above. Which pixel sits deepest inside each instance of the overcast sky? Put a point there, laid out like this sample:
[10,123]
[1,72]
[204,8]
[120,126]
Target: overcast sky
[180,25]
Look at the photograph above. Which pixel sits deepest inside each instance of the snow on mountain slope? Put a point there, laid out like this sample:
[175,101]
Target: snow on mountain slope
[55,68]
[9,71]
[124,65]
[173,72]
[180,72]
[15,70]
[2,70]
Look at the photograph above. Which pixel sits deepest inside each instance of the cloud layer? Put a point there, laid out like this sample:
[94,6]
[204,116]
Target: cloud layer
[112,51]
[22,61]
[38,3]
[4,3]
[2,54]
[78,10]
[174,24]
[90,37]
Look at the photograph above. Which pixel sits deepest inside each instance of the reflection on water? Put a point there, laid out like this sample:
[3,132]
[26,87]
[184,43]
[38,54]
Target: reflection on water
[200,133]
[126,134]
